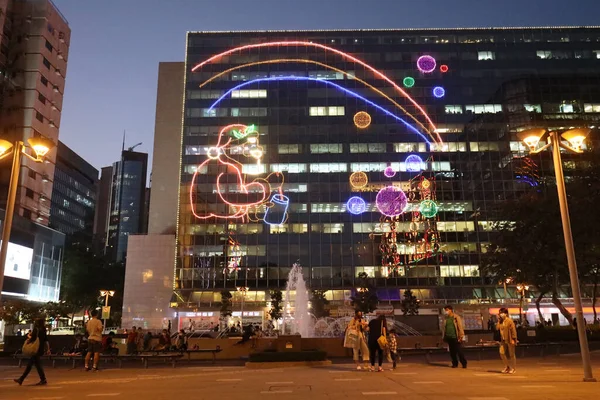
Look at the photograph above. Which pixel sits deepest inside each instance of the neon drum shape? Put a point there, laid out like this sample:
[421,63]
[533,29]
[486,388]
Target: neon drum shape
[426,64]
[356,205]
[277,214]
[389,172]
[391,201]
[413,163]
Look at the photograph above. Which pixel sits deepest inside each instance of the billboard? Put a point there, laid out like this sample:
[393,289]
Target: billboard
[18,261]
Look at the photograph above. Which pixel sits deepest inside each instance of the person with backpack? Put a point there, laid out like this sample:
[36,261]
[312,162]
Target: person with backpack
[36,343]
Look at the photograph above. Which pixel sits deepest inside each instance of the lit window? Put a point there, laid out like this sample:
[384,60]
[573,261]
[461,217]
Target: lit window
[451,109]
[536,108]
[329,167]
[288,149]
[566,108]
[290,168]
[323,148]
[333,75]
[410,147]
[327,111]
[249,94]
[543,54]
[483,108]
[592,108]
[597,54]
[368,167]
[253,169]
[367,148]
[327,228]
[486,55]
[448,147]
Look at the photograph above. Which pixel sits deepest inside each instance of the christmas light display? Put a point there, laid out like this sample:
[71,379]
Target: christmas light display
[326,82]
[439,92]
[356,205]
[344,55]
[391,201]
[426,64]
[277,214]
[444,68]
[362,120]
[358,180]
[389,172]
[408,82]
[428,208]
[413,163]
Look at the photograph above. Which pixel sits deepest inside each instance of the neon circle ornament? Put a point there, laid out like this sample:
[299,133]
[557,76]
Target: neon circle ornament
[444,68]
[408,82]
[356,205]
[362,120]
[358,180]
[426,64]
[391,201]
[428,208]
[413,163]
[389,172]
[439,92]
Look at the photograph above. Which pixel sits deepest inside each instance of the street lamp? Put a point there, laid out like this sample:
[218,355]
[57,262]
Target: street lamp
[40,146]
[521,289]
[575,138]
[106,294]
[243,290]
[505,282]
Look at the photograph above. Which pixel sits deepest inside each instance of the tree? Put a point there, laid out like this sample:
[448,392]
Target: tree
[276,307]
[225,304]
[319,303]
[365,299]
[410,303]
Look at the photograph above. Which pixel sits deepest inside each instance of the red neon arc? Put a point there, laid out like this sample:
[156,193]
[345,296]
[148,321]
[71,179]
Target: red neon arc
[326,48]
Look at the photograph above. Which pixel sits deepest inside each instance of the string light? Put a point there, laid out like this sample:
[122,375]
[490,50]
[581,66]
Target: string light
[326,48]
[358,180]
[326,82]
[426,64]
[362,119]
[391,201]
[408,81]
[356,205]
[277,213]
[439,92]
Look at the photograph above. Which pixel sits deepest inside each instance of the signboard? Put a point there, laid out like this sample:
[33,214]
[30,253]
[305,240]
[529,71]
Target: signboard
[18,261]
[106,312]
[385,309]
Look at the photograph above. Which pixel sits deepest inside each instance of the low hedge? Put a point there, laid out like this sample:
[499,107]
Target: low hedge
[271,356]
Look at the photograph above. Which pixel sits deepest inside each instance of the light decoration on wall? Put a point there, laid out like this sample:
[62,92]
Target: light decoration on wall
[344,55]
[356,205]
[428,208]
[426,64]
[391,201]
[439,92]
[408,81]
[326,82]
[345,73]
[362,120]
[358,180]
[277,211]
[413,163]
[389,172]
[443,68]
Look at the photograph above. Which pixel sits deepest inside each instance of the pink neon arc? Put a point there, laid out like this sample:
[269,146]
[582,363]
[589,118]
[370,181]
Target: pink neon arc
[326,48]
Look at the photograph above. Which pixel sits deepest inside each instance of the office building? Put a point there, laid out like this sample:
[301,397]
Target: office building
[308,145]
[33,64]
[73,195]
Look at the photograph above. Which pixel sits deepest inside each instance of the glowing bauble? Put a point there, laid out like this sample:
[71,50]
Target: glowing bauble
[413,163]
[391,201]
[428,208]
[426,64]
[408,82]
[356,205]
[389,172]
[359,180]
[362,119]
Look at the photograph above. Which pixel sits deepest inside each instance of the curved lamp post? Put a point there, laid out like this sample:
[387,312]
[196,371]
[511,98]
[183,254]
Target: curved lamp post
[40,147]
[574,138]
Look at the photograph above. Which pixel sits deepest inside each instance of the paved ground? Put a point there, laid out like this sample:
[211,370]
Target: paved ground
[536,378]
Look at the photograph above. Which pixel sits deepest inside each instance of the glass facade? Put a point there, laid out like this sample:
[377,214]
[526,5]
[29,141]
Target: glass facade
[303,100]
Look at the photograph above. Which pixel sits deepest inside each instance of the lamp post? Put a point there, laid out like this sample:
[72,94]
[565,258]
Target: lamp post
[505,282]
[521,289]
[575,138]
[106,294]
[243,290]
[40,146]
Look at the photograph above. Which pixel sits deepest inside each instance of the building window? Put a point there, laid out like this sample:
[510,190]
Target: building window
[46,63]
[29,193]
[591,108]
[448,147]
[288,149]
[249,112]
[204,94]
[486,55]
[367,148]
[332,75]
[327,111]
[453,109]
[327,228]
[41,98]
[32,174]
[596,54]
[535,108]
[289,168]
[410,147]
[44,81]
[328,167]
[483,108]
[39,116]
[333,148]
[49,46]
[26,213]
[249,94]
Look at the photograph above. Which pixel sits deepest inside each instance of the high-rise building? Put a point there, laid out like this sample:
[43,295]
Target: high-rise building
[377,152]
[34,51]
[73,194]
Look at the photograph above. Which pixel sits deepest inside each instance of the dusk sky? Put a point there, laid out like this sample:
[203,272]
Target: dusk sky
[116,46]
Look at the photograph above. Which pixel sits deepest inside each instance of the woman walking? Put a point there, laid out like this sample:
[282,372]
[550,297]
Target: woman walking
[39,332]
[355,338]
[377,328]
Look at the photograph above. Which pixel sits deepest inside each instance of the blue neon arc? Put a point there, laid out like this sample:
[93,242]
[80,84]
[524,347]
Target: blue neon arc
[304,78]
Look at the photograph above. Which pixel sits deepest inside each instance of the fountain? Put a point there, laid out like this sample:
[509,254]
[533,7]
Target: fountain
[299,321]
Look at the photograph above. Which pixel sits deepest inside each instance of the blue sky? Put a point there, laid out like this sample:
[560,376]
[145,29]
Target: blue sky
[116,46]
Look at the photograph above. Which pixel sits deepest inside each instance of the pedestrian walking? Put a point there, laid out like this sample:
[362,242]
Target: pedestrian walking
[508,341]
[393,347]
[355,339]
[377,341]
[37,335]
[132,341]
[94,329]
[454,335]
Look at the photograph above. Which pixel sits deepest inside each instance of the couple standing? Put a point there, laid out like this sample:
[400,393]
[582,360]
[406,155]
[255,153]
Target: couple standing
[356,340]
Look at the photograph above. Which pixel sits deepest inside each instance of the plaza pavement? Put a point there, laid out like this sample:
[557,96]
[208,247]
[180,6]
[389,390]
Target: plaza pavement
[536,378]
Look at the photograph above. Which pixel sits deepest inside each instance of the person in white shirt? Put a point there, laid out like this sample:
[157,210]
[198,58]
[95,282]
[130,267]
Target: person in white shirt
[94,329]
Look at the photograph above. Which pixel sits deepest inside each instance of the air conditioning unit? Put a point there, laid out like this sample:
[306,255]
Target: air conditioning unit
[45,178]
[53,107]
[61,37]
[60,56]
[55,89]
[28,19]
[57,71]
[51,123]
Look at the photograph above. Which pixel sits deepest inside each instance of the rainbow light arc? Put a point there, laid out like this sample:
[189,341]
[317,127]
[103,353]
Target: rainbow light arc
[326,48]
[304,78]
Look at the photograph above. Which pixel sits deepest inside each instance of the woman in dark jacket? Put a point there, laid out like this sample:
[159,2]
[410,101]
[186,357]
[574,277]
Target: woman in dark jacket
[39,332]
[377,328]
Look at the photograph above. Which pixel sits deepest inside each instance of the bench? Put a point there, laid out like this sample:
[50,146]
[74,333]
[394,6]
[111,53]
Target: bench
[52,357]
[144,358]
[213,351]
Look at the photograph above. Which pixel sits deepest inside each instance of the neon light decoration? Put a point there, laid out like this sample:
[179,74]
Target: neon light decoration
[426,64]
[326,82]
[389,172]
[408,81]
[349,76]
[413,163]
[391,201]
[444,68]
[325,48]
[356,205]
[439,92]
[362,120]
[428,208]
[277,213]
[358,180]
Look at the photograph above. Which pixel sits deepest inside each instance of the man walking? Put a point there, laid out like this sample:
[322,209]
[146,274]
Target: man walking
[508,341]
[454,335]
[94,329]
